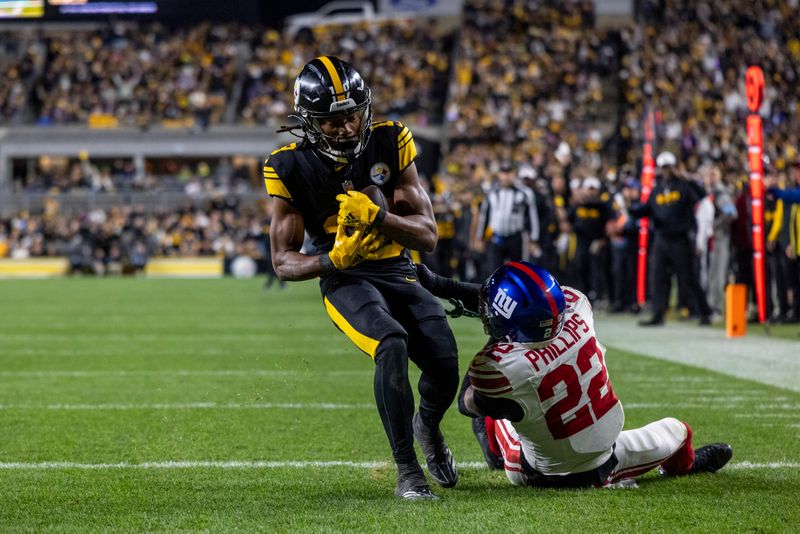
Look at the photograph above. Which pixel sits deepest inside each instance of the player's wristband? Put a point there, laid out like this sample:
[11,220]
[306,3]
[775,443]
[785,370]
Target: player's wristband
[379,218]
[326,263]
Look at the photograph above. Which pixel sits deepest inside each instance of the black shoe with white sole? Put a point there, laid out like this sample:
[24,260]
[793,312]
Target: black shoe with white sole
[411,483]
[711,458]
[441,464]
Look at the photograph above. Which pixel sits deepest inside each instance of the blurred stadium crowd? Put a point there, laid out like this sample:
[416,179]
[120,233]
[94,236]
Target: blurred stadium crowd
[528,85]
[142,76]
[122,239]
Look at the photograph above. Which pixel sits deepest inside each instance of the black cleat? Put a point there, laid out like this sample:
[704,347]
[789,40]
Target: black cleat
[411,483]
[440,461]
[479,429]
[711,458]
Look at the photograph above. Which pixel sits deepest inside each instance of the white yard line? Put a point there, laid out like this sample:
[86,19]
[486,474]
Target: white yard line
[180,373]
[650,379]
[234,464]
[721,403]
[691,392]
[192,406]
[767,415]
[771,361]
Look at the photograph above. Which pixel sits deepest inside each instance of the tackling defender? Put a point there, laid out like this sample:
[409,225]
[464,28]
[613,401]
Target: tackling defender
[539,393]
[368,283]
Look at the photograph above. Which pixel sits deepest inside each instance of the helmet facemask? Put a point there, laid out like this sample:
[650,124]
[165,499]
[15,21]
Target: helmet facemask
[336,148]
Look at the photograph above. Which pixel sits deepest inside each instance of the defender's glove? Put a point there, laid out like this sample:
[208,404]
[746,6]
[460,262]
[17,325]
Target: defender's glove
[346,248]
[356,209]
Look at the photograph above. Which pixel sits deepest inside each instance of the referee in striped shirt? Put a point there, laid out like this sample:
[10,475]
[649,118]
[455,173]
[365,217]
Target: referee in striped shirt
[508,223]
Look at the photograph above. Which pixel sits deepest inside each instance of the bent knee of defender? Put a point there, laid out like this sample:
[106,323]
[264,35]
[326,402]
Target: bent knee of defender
[672,429]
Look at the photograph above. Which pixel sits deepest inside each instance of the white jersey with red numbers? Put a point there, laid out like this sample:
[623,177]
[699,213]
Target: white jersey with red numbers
[571,415]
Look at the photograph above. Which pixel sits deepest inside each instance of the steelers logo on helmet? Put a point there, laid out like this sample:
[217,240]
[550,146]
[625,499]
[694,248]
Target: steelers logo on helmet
[296,92]
[330,91]
[380,173]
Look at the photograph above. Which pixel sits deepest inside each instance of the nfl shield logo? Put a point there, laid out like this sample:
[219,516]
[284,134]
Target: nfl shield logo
[379,173]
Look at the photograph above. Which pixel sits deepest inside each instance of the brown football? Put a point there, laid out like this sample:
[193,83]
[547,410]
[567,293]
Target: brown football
[376,195]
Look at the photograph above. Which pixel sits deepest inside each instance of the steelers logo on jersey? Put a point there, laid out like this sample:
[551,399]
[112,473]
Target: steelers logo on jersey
[380,173]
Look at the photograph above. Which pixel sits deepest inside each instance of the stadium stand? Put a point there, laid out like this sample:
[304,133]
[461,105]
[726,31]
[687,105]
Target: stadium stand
[700,95]
[405,61]
[531,79]
[133,76]
[534,83]
[122,239]
[21,57]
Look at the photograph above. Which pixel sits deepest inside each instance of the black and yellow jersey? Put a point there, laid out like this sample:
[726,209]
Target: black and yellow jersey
[297,174]
[773,218]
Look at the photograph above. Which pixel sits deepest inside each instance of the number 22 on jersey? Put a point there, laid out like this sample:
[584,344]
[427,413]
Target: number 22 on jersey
[577,378]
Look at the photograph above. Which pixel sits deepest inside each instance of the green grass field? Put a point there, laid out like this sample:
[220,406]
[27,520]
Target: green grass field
[127,375]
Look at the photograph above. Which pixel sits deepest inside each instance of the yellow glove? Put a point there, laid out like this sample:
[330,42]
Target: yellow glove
[370,247]
[346,248]
[356,209]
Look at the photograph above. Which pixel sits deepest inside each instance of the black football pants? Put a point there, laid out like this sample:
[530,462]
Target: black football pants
[393,319]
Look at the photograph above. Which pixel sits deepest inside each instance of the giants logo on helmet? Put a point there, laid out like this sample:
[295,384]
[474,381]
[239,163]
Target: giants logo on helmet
[503,304]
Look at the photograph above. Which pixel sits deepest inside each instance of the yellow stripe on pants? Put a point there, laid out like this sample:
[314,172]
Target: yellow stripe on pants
[365,343]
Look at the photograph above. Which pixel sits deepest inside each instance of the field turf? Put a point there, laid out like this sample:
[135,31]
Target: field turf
[129,385]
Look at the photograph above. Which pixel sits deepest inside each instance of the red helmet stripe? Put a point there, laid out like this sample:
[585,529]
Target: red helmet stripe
[539,282]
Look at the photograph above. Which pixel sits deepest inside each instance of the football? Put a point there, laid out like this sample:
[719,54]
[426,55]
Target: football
[376,195]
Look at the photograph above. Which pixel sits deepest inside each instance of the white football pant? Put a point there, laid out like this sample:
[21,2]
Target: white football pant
[667,443]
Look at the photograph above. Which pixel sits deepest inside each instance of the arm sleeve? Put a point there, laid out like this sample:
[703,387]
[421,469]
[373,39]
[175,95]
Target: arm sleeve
[448,288]
[462,408]
[496,408]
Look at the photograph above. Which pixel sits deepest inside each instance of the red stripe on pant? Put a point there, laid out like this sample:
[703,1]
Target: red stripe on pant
[491,433]
[511,447]
[678,463]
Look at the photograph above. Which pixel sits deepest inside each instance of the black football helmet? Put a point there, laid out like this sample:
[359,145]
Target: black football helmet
[328,86]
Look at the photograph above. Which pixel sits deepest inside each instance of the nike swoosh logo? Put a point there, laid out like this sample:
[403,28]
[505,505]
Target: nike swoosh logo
[410,279]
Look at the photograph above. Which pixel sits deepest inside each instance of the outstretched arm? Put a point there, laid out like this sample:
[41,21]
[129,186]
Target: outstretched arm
[447,288]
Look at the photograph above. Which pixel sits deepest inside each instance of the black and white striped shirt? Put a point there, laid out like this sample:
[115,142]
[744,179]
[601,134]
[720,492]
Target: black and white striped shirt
[509,211]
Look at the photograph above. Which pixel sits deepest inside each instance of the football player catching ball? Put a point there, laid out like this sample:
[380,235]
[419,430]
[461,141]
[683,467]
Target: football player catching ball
[369,285]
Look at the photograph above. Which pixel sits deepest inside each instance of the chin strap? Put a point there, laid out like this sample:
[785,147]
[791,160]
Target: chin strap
[459,310]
